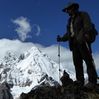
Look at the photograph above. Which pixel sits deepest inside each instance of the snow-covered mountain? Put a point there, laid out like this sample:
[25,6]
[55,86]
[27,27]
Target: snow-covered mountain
[28,70]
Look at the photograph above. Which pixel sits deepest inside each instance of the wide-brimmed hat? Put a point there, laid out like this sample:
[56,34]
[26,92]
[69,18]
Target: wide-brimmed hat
[70,5]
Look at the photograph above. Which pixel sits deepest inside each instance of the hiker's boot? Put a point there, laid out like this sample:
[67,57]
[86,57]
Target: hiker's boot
[90,85]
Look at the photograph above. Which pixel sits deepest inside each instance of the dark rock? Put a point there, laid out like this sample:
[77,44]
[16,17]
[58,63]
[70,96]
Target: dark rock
[24,96]
[42,93]
[68,90]
[5,91]
[65,79]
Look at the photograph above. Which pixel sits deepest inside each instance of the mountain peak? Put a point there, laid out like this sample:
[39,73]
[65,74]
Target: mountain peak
[28,70]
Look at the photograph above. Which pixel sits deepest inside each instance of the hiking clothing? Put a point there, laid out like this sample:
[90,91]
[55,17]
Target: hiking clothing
[77,34]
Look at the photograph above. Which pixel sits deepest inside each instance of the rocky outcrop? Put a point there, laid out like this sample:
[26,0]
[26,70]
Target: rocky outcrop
[5,91]
[68,90]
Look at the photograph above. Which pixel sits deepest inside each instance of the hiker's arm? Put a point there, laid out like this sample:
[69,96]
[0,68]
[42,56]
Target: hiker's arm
[64,38]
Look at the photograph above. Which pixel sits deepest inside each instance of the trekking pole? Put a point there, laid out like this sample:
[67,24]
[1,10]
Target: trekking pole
[59,59]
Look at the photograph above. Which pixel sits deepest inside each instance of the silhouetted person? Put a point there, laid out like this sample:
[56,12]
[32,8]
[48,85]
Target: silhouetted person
[78,28]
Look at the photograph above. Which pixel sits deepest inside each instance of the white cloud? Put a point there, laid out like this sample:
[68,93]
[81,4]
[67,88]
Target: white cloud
[23,27]
[13,45]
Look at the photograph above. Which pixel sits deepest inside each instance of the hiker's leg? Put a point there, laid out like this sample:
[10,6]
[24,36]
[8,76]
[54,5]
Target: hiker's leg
[78,63]
[87,56]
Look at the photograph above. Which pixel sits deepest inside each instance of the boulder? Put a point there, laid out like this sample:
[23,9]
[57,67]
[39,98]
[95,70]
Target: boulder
[5,91]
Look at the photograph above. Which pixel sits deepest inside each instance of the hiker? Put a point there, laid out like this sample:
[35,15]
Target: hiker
[78,28]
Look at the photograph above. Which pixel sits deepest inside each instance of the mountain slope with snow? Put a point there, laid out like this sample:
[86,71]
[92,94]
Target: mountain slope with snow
[28,70]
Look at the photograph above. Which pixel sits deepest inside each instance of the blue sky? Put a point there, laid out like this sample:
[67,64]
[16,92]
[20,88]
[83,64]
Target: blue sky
[43,16]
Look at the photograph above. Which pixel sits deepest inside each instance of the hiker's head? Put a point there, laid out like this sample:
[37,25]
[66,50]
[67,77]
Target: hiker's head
[71,8]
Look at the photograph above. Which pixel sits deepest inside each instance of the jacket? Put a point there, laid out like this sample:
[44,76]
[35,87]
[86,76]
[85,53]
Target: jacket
[81,25]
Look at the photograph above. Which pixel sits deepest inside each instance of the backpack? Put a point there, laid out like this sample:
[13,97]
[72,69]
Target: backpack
[92,33]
